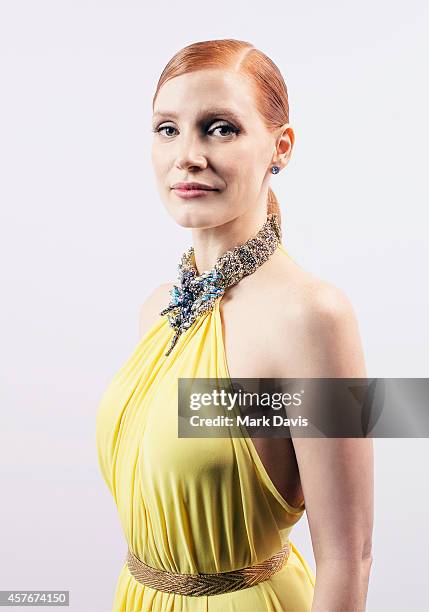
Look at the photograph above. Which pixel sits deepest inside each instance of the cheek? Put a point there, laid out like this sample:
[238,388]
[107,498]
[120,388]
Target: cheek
[158,161]
[234,165]
[244,167]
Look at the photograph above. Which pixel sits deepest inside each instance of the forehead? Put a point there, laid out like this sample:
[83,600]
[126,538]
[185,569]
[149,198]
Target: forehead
[190,93]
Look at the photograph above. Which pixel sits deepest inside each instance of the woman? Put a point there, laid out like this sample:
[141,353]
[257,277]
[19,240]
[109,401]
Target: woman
[215,506]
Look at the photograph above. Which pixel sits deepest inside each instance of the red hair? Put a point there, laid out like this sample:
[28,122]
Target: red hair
[270,90]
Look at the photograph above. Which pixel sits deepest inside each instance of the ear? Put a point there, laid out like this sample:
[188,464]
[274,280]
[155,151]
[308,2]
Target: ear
[284,145]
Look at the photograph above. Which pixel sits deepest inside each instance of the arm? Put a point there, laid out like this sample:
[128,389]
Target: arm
[336,473]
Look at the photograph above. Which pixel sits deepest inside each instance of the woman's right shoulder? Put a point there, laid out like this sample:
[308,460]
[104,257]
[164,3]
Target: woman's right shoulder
[157,299]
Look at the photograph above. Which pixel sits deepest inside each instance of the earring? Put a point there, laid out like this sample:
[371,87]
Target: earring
[275,169]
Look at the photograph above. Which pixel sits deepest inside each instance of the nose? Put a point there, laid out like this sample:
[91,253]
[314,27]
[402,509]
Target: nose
[190,154]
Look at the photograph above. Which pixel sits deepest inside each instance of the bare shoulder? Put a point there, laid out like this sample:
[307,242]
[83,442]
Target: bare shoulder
[152,306]
[325,306]
[317,322]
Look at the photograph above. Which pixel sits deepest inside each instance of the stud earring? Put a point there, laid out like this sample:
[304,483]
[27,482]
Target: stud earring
[275,169]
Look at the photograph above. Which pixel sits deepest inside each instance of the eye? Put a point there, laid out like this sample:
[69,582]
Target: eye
[160,129]
[225,126]
[228,130]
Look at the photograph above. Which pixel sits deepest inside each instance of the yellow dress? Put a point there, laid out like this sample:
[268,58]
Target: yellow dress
[191,505]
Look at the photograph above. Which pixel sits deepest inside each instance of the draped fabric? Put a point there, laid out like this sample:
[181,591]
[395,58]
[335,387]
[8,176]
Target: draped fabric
[191,505]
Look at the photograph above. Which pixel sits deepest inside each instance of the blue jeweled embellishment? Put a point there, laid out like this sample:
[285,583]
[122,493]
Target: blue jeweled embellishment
[196,294]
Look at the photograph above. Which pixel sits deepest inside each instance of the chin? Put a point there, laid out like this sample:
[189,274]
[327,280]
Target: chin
[195,216]
[193,220]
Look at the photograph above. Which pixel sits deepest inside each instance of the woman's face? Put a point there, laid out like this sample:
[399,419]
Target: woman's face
[207,130]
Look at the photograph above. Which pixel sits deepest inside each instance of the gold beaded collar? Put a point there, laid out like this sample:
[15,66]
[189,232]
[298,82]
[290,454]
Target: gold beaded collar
[196,293]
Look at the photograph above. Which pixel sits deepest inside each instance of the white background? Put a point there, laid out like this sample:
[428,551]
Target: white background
[85,238]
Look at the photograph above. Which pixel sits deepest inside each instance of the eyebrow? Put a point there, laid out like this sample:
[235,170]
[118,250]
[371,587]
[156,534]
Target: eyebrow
[208,111]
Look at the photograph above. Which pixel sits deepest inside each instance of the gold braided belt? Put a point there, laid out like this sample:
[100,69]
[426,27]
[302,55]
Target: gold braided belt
[207,584]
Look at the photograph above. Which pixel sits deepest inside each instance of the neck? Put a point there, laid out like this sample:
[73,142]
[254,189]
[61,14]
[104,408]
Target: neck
[209,244]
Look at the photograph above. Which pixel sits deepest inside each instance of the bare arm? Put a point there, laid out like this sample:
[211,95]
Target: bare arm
[336,473]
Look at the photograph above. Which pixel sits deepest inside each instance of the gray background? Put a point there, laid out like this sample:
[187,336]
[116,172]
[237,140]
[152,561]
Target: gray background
[85,238]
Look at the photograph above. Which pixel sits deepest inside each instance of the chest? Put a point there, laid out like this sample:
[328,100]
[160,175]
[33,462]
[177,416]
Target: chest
[247,339]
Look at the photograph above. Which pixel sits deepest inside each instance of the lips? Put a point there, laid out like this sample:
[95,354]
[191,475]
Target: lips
[193,186]
[193,191]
